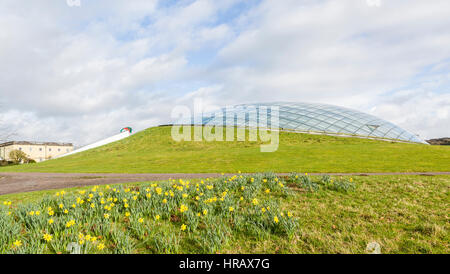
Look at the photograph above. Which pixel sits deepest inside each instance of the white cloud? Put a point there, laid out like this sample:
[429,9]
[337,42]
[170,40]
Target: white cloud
[80,73]
[373,3]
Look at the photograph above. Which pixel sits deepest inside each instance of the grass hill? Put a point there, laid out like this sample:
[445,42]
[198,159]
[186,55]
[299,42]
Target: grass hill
[154,151]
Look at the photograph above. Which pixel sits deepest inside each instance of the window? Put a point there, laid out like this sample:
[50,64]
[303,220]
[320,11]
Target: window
[31,149]
[40,149]
[49,149]
[67,150]
[313,117]
[20,148]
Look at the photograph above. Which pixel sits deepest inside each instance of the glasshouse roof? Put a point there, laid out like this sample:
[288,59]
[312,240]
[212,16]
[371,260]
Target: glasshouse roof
[309,118]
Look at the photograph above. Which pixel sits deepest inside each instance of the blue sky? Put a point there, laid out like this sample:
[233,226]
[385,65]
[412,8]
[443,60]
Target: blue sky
[80,73]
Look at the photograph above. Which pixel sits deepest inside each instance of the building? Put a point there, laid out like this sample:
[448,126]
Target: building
[307,118]
[35,150]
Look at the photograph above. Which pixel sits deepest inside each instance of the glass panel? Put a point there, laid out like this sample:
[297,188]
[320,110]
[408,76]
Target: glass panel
[313,117]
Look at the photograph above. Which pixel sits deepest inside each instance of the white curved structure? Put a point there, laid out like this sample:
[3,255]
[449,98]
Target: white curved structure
[124,134]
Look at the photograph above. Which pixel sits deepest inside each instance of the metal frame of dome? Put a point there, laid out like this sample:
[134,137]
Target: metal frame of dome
[310,118]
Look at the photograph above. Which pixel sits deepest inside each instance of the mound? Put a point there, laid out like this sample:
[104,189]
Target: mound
[154,151]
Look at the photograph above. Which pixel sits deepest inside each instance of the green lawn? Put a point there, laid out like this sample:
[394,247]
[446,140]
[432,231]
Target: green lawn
[154,151]
[404,214]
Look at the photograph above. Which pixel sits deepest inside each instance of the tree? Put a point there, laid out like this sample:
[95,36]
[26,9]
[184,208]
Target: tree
[18,156]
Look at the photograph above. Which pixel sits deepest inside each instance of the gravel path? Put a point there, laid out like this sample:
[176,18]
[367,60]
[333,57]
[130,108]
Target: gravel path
[26,182]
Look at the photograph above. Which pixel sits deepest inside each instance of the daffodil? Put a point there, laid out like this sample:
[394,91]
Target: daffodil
[48,237]
[17,243]
[183,208]
[158,190]
[70,223]
[183,227]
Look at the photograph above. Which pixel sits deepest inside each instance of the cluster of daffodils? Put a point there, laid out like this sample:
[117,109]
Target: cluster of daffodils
[325,183]
[122,217]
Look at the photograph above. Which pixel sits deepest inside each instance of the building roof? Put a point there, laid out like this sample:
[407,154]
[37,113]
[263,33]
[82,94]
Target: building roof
[35,143]
[309,118]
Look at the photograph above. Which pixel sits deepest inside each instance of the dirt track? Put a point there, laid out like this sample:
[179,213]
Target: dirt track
[26,182]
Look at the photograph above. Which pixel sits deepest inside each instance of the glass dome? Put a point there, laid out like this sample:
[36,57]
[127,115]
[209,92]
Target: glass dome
[308,118]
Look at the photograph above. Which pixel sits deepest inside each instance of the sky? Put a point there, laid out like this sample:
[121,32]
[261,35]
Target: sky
[78,70]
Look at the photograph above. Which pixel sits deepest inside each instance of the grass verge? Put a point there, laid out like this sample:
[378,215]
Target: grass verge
[154,151]
[404,214]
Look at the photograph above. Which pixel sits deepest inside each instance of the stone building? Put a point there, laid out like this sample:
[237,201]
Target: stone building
[35,150]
